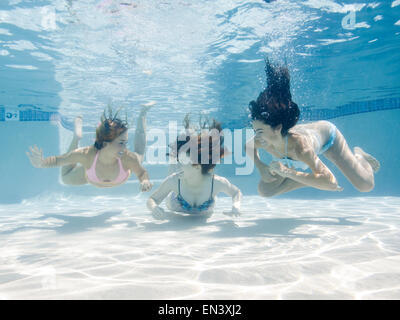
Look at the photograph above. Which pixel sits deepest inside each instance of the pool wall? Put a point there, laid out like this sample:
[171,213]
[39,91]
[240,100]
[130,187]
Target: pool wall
[375,132]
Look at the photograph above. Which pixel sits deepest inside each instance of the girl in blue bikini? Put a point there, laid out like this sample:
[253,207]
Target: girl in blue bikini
[193,188]
[296,147]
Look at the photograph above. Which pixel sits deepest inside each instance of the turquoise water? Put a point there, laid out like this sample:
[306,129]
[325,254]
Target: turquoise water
[74,58]
[77,57]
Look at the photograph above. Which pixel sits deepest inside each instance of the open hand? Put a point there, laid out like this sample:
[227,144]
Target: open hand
[158,213]
[145,186]
[266,175]
[233,213]
[35,156]
[277,168]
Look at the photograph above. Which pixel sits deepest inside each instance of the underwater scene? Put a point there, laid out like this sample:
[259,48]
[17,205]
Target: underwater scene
[208,149]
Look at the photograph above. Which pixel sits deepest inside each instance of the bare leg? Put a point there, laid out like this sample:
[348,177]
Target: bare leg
[74,144]
[74,174]
[358,167]
[139,143]
[277,187]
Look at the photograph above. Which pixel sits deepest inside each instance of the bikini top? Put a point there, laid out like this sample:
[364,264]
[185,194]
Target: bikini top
[202,207]
[290,163]
[320,149]
[91,175]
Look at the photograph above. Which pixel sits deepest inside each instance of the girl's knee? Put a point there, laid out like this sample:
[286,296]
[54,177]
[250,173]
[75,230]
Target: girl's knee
[365,186]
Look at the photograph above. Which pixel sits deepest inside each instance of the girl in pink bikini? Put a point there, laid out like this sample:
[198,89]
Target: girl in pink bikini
[105,164]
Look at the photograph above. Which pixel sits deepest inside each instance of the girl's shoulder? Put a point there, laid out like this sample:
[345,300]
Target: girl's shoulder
[172,179]
[130,155]
[222,184]
[87,152]
[314,125]
[219,180]
[130,159]
[84,154]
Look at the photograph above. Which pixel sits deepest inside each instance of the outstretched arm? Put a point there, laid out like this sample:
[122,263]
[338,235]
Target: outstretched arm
[223,185]
[158,196]
[36,157]
[135,165]
[320,177]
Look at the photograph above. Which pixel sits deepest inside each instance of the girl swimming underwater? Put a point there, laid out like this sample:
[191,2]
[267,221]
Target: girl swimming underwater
[105,164]
[193,189]
[296,147]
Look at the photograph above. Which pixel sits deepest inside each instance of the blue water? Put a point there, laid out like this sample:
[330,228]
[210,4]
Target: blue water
[69,58]
[77,57]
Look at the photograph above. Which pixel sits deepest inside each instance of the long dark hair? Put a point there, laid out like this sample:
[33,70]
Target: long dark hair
[274,106]
[209,142]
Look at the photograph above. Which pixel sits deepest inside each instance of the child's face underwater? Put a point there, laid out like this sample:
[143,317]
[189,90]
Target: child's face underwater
[187,163]
[117,147]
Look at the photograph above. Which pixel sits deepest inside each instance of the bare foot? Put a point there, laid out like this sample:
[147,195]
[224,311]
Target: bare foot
[78,128]
[375,164]
[146,106]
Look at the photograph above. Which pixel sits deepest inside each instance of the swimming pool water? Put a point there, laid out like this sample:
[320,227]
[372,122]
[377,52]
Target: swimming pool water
[69,58]
[110,248]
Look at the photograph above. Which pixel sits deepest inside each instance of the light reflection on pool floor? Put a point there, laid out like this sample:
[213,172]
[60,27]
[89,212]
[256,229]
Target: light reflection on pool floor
[111,248]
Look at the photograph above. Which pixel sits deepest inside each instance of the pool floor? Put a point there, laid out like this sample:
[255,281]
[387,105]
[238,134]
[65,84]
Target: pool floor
[63,247]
